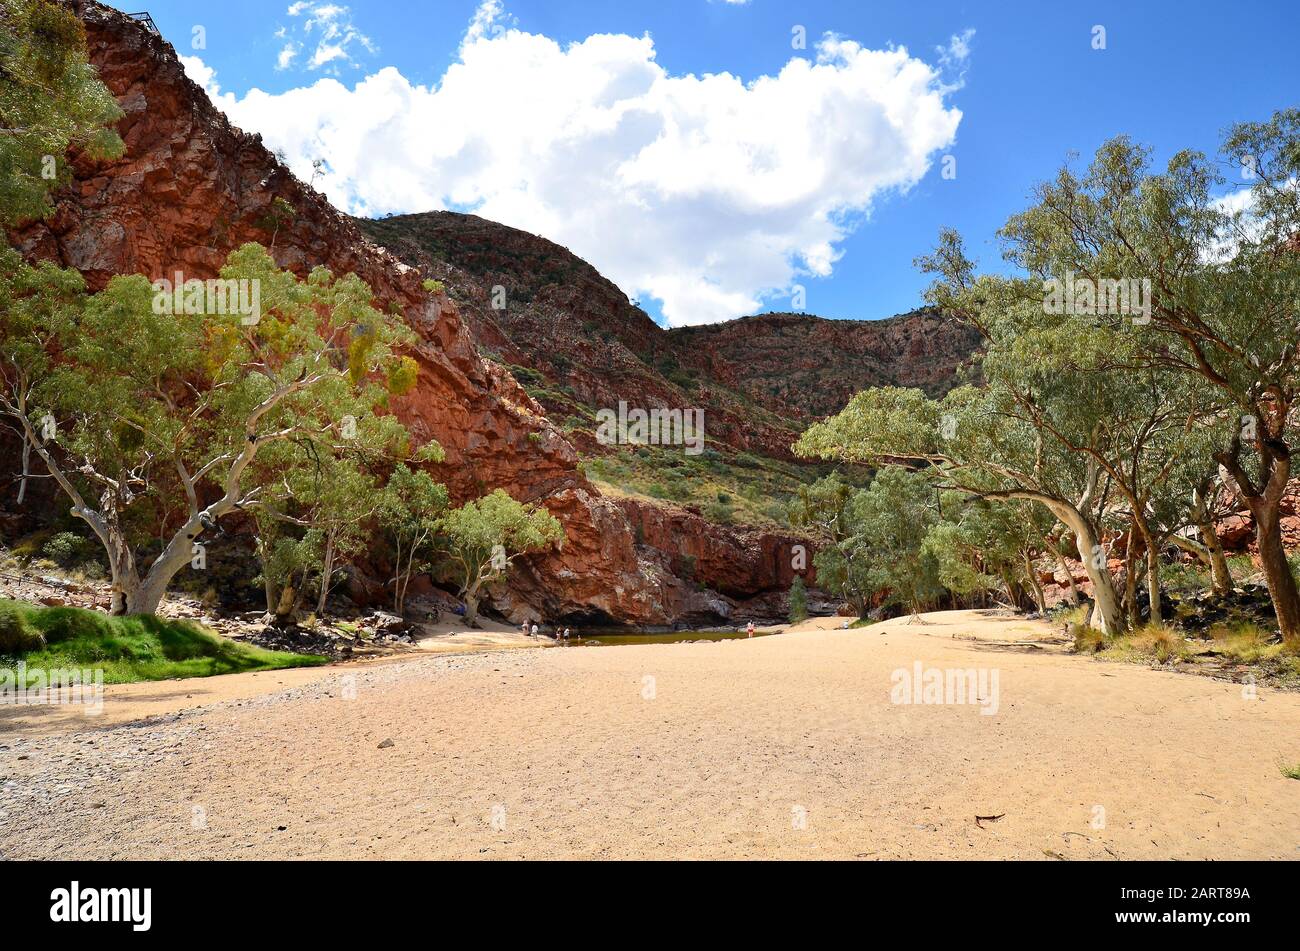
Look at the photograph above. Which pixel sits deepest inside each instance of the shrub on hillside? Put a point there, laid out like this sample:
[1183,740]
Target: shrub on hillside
[68,550]
[719,512]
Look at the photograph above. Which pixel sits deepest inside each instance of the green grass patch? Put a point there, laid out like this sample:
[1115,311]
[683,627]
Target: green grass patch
[1229,647]
[1087,639]
[1158,643]
[1290,772]
[128,649]
[1244,643]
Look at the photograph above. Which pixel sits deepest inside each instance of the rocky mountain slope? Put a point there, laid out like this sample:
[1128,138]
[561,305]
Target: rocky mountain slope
[805,367]
[192,187]
[759,380]
[557,315]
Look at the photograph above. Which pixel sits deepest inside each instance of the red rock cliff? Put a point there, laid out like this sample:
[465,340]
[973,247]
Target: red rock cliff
[192,187]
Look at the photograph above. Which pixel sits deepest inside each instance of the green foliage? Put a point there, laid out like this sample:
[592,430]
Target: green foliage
[1220,322]
[798,600]
[411,502]
[284,559]
[68,549]
[720,512]
[880,550]
[821,505]
[481,538]
[526,376]
[51,100]
[402,375]
[17,634]
[278,214]
[409,511]
[1080,411]
[980,544]
[474,530]
[893,517]
[134,648]
[157,410]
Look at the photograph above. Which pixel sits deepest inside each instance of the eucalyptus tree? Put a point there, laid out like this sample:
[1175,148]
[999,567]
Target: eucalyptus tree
[1072,415]
[409,511]
[798,600]
[342,499]
[840,562]
[980,442]
[481,539]
[126,401]
[322,500]
[1209,503]
[1181,511]
[820,506]
[1223,306]
[888,523]
[844,569]
[980,544]
[50,100]
[1047,426]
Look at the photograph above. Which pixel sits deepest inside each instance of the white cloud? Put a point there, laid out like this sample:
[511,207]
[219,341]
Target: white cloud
[201,73]
[486,22]
[958,49]
[1243,225]
[327,27]
[706,192]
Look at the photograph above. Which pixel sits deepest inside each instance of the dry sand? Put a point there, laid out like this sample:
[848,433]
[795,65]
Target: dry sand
[781,747]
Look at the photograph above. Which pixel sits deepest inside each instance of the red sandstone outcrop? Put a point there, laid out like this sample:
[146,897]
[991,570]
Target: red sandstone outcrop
[192,187]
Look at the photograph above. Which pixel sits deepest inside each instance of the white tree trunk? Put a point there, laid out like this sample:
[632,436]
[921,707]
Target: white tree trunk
[1109,615]
[327,572]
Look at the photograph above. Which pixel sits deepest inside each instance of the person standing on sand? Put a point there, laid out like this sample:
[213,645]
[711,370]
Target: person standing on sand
[535,629]
[750,629]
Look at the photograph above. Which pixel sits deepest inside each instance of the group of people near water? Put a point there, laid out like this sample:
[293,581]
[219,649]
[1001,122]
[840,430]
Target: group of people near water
[532,630]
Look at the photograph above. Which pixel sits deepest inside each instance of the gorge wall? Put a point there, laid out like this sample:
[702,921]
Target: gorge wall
[191,188]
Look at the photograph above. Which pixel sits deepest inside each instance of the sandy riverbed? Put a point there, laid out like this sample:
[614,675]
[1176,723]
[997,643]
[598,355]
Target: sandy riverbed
[784,747]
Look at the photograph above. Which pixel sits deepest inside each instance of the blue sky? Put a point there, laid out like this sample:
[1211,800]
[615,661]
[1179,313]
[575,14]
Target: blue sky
[1032,90]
